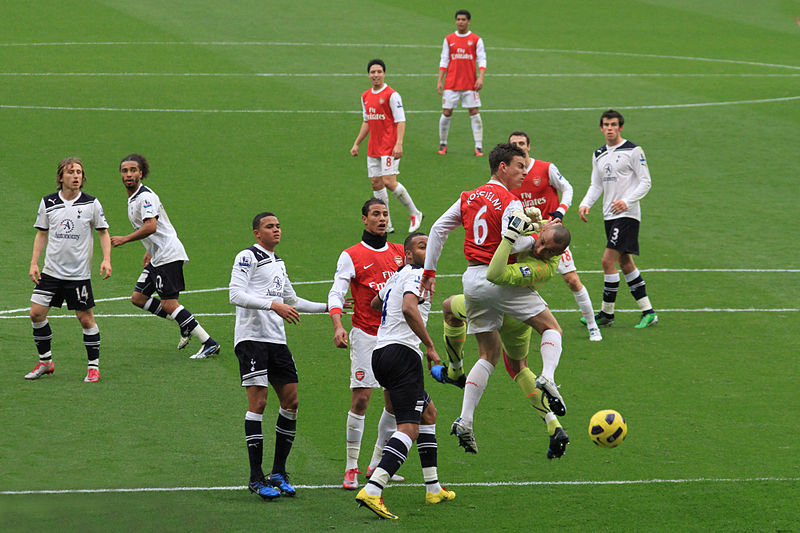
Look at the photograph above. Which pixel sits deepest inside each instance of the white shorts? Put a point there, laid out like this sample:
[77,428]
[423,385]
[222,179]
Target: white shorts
[488,303]
[567,264]
[362,345]
[468,99]
[384,165]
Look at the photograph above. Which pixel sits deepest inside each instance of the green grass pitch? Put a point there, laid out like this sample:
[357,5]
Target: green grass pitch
[246,106]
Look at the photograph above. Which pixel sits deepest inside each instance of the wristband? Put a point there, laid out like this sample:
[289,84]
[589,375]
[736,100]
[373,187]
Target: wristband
[428,273]
[335,311]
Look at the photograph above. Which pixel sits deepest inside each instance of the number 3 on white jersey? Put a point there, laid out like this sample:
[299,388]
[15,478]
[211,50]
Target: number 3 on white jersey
[480,229]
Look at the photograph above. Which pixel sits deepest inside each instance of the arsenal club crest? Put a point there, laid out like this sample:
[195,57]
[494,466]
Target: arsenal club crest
[382,100]
[469,43]
[537,181]
[398,260]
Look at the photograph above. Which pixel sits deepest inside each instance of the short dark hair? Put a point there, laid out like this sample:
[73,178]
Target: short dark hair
[258,217]
[411,236]
[140,160]
[369,203]
[62,166]
[376,62]
[561,236]
[463,12]
[503,153]
[519,134]
[611,113]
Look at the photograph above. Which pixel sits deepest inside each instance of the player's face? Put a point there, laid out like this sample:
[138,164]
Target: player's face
[131,175]
[520,142]
[513,174]
[268,233]
[544,248]
[376,76]
[72,178]
[611,130]
[377,219]
[462,23]
[416,254]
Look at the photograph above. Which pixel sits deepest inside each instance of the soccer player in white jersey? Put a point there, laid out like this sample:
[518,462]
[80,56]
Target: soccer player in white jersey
[397,363]
[621,175]
[163,259]
[384,120]
[64,225]
[264,297]
[462,50]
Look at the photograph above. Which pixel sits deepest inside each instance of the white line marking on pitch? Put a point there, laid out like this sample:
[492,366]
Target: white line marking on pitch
[394,75]
[477,484]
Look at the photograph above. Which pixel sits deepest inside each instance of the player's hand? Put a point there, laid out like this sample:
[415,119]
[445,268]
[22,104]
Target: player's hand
[618,206]
[432,357]
[520,225]
[533,213]
[35,274]
[117,241]
[105,269]
[427,287]
[478,84]
[556,215]
[146,259]
[582,212]
[354,150]
[286,312]
[397,151]
[340,338]
[348,304]
[439,88]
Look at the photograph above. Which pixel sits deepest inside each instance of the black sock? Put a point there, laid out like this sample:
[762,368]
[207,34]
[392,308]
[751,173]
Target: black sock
[637,287]
[394,455]
[92,343]
[610,289]
[186,321]
[255,446]
[42,337]
[154,306]
[285,429]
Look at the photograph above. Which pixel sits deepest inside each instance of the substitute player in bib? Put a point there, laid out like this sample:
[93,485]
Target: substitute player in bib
[397,363]
[461,51]
[264,297]
[486,214]
[541,188]
[364,269]
[64,225]
[385,123]
[163,258]
[621,175]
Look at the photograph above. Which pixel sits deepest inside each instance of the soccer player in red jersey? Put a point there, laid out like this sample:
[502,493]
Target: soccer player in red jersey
[541,188]
[488,216]
[364,269]
[385,123]
[461,51]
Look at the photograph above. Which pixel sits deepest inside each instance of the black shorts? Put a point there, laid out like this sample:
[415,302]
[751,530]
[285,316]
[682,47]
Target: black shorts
[260,362]
[398,369]
[623,235]
[166,279]
[51,292]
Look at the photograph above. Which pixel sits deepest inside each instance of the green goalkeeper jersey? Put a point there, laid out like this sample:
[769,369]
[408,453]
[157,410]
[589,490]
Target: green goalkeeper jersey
[527,271]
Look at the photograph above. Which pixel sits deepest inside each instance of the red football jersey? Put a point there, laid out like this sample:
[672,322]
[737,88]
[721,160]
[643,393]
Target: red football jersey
[536,190]
[372,270]
[482,216]
[382,127]
[461,70]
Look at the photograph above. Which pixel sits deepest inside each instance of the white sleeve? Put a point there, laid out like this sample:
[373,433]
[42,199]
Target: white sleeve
[412,282]
[300,304]
[363,111]
[149,205]
[445,60]
[480,52]
[243,267]
[345,271]
[641,171]
[440,230]
[560,183]
[42,222]
[396,103]
[595,187]
[99,219]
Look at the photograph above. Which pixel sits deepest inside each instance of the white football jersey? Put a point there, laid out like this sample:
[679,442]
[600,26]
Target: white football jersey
[164,246]
[394,329]
[259,278]
[69,226]
[619,173]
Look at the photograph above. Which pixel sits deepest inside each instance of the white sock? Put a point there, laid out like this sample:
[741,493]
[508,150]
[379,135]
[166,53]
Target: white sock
[551,352]
[477,129]
[386,427]
[402,194]
[355,429]
[584,302]
[444,128]
[381,194]
[477,380]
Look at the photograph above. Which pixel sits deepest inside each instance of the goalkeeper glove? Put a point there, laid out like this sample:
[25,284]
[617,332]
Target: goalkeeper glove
[556,215]
[533,213]
[520,225]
